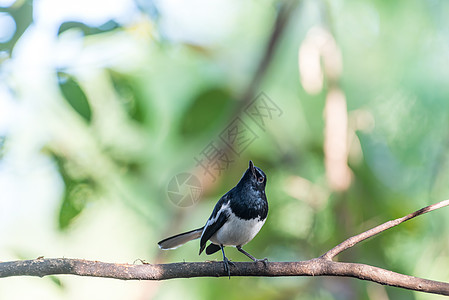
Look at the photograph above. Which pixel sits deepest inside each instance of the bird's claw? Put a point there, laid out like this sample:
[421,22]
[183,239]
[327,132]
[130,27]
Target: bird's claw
[226,263]
[264,261]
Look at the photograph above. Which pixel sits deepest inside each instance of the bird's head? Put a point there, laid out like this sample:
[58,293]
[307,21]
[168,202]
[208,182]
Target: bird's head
[256,176]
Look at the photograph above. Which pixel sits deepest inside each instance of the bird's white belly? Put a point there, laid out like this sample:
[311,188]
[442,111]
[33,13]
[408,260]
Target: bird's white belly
[237,232]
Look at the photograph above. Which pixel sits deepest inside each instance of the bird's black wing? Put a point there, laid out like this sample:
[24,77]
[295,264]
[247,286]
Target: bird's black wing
[212,248]
[217,219]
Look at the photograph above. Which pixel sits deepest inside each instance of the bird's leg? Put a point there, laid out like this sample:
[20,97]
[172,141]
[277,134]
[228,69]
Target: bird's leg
[226,262]
[265,260]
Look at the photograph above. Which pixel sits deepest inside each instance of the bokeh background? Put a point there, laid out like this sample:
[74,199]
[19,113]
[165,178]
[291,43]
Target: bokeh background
[344,105]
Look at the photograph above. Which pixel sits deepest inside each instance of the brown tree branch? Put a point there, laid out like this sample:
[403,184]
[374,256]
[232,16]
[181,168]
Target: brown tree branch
[313,267]
[322,266]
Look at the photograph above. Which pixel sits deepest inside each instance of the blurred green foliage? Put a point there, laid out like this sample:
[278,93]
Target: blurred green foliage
[208,110]
[22,12]
[123,107]
[74,95]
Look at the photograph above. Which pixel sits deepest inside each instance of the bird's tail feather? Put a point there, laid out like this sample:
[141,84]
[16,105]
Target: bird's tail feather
[180,239]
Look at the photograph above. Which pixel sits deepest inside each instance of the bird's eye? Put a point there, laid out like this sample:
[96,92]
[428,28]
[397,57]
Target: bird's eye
[260,179]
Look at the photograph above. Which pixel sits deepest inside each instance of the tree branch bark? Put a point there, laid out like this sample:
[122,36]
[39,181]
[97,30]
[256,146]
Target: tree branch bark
[321,266]
[313,267]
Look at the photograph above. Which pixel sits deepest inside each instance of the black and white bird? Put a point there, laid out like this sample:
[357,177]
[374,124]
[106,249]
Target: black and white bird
[236,219]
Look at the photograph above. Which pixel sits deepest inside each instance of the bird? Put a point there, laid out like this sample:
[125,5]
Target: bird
[236,219]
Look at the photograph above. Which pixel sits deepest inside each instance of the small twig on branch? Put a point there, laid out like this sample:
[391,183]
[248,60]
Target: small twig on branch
[378,229]
[321,266]
[284,14]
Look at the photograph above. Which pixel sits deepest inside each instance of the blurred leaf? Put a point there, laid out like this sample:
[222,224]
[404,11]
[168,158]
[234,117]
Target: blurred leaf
[132,100]
[74,95]
[149,8]
[22,12]
[75,199]
[56,281]
[207,111]
[78,191]
[88,30]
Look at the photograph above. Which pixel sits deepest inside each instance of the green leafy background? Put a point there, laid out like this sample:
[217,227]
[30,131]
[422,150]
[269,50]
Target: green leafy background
[96,122]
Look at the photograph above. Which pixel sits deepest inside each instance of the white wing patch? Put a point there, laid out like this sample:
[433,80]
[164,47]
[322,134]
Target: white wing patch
[223,208]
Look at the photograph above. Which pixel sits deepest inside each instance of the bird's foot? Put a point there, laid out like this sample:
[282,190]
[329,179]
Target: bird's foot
[226,263]
[264,261]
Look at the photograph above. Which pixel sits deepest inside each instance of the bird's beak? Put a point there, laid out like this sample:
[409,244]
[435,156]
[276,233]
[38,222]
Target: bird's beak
[251,168]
